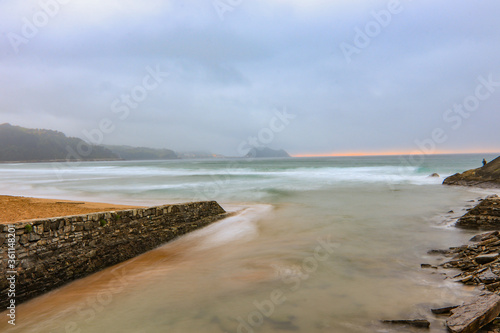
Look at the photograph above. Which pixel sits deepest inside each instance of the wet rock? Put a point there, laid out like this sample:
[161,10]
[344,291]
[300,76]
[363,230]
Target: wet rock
[434,175]
[427,266]
[485,236]
[420,323]
[283,324]
[486,215]
[445,310]
[488,277]
[479,262]
[438,252]
[486,258]
[470,317]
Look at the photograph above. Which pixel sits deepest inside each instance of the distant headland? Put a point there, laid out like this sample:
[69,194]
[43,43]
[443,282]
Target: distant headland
[265,152]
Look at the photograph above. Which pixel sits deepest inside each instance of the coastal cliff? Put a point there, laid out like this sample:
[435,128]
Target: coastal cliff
[486,176]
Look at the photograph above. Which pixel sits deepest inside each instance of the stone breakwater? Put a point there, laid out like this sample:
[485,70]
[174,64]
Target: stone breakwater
[52,252]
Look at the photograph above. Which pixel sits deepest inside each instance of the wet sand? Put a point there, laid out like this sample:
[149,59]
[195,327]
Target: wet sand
[16,209]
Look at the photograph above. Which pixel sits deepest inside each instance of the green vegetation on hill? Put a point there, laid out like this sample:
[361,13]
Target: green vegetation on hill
[25,144]
[142,153]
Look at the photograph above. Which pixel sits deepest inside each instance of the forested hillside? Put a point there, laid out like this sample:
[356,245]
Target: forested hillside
[25,144]
[142,153]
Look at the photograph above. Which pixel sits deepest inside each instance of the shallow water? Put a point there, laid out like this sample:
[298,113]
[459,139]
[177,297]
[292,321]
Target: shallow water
[319,245]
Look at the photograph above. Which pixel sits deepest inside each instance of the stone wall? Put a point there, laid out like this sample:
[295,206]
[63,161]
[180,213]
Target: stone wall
[51,252]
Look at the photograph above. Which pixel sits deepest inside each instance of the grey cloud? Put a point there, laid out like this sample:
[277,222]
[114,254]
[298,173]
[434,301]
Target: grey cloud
[228,77]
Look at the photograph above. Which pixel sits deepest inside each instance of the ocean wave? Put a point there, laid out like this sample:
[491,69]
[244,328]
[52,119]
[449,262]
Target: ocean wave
[258,181]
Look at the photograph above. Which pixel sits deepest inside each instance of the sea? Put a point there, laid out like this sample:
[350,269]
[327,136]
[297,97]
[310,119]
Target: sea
[330,244]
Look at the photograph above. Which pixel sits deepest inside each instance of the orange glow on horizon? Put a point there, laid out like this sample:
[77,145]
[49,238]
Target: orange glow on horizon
[394,153]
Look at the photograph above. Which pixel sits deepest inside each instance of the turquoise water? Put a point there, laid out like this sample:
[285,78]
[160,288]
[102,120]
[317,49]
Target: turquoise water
[320,245]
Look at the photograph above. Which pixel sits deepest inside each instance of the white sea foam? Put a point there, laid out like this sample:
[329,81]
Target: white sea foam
[238,228]
[361,173]
[172,183]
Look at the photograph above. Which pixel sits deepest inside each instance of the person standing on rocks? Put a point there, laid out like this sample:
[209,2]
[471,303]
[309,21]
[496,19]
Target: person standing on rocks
[484,162]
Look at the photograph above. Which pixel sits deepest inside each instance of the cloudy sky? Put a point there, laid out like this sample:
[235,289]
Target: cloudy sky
[312,77]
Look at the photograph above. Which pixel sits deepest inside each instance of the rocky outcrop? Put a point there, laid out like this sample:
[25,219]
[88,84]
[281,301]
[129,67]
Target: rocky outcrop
[264,152]
[479,261]
[485,216]
[470,317]
[480,266]
[486,176]
[49,253]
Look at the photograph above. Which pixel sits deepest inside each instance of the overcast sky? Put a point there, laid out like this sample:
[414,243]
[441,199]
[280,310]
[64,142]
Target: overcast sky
[312,77]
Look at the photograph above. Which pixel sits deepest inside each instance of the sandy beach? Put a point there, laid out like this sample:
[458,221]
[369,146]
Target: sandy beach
[16,208]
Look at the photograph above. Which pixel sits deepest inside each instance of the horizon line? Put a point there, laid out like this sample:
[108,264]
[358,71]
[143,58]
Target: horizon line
[401,153]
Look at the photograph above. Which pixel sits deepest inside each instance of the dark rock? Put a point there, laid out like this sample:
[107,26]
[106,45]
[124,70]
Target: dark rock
[486,235]
[476,238]
[427,266]
[493,286]
[434,175]
[283,324]
[488,277]
[445,310]
[486,176]
[486,258]
[438,252]
[451,212]
[420,323]
[470,317]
